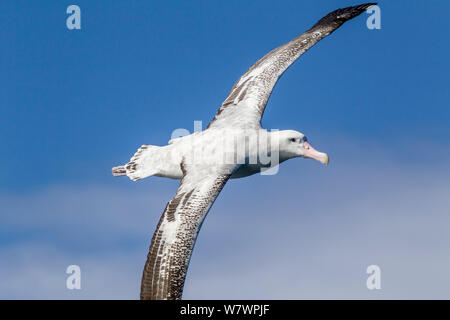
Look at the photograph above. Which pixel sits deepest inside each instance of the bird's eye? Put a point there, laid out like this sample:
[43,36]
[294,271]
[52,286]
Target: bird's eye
[292,139]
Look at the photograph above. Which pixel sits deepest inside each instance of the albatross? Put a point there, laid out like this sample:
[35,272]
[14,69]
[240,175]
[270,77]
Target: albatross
[233,145]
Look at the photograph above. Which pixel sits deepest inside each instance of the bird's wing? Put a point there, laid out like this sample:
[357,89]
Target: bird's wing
[175,235]
[247,100]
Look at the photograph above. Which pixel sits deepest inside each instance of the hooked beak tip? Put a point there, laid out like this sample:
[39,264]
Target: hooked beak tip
[325,159]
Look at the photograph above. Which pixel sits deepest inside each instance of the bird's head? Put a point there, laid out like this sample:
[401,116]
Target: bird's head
[294,144]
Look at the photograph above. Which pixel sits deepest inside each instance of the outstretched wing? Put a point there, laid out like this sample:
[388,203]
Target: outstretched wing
[247,100]
[175,235]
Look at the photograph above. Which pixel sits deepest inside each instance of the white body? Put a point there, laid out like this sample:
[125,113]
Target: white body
[248,151]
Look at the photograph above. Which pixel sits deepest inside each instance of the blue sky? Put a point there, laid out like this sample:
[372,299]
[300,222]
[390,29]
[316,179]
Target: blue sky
[74,103]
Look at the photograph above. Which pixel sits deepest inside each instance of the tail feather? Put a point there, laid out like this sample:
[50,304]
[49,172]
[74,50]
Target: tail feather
[139,166]
[119,171]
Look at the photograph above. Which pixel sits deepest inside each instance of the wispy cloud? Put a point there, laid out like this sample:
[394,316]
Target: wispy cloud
[308,232]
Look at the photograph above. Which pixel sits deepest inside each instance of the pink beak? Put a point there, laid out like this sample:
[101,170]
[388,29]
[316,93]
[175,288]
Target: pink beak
[310,152]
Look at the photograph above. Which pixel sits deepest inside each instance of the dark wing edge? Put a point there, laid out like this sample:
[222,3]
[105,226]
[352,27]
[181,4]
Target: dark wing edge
[173,241]
[257,83]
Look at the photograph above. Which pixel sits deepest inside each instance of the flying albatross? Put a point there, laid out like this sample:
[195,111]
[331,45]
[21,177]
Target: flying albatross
[234,145]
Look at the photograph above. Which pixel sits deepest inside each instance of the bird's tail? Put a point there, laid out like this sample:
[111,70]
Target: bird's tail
[141,165]
[119,171]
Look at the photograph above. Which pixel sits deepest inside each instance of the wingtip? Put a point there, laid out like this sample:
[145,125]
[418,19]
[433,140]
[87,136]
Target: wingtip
[343,14]
[352,11]
[366,6]
[358,9]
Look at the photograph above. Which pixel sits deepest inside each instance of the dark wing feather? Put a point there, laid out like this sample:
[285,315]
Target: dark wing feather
[172,243]
[247,100]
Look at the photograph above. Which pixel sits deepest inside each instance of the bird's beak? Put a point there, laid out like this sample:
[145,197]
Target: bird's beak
[310,152]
